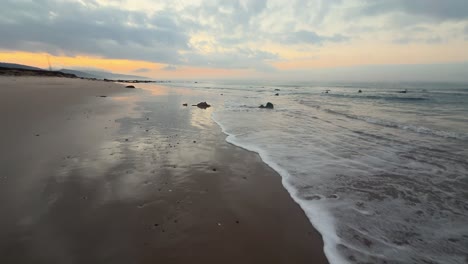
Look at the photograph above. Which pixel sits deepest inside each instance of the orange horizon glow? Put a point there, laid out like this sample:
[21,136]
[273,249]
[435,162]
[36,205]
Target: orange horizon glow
[156,70]
[334,56]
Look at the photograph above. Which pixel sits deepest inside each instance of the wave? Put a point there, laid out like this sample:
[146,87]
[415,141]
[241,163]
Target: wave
[319,217]
[408,127]
[378,97]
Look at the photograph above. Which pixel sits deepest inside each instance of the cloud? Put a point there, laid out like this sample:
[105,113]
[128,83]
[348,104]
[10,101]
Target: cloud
[72,28]
[236,34]
[169,68]
[408,40]
[238,58]
[310,37]
[142,70]
[436,9]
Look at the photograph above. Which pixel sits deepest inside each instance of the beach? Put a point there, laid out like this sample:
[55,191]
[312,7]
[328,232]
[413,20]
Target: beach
[93,172]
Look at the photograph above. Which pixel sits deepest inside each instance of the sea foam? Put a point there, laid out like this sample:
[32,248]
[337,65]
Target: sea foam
[383,181]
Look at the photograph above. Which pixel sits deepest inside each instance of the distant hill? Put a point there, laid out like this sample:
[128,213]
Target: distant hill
[102,75]
[81,74]
[116,76]
[4,71]
[18,66]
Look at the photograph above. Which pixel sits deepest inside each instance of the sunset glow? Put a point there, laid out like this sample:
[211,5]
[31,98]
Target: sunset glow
[240,39]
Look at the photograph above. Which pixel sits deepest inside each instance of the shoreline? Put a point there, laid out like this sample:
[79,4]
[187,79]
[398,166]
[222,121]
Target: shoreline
[318,225]
[154,181]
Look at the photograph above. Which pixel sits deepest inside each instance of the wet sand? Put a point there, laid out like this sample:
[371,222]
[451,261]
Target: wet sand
[135,177]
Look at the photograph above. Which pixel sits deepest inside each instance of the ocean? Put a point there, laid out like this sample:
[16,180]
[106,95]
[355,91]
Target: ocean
[382,174]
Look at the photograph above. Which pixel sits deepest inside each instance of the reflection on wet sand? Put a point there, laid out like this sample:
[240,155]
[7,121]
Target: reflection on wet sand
[162,186]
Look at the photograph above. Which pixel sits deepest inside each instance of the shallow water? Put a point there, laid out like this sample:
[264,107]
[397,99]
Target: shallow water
[382,174]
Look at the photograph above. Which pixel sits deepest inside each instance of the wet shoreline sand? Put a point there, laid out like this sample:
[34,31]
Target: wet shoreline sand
[135,177]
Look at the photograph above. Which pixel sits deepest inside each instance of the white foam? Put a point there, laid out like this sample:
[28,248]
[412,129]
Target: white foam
[319,217]
[376,195]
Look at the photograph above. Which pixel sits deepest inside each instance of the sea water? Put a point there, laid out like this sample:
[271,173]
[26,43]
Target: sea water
[382,174]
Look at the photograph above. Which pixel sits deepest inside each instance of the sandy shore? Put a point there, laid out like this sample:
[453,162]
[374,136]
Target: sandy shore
[135,177]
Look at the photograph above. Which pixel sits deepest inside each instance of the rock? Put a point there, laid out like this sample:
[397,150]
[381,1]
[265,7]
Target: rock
[103,96]
[359,91]
[184,104]
[277,90]
[130,86]
[202,105]
[276,94]
[268,106]
[405,91]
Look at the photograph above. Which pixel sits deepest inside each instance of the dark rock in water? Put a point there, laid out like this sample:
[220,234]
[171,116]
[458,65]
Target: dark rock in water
[405,91]
[359,91]
[202,105]
[276,94]
[268,106]
[130,86]
[277,90]
[103,96]
[184,104]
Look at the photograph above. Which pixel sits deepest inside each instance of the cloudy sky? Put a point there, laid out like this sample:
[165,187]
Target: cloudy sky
[296,39]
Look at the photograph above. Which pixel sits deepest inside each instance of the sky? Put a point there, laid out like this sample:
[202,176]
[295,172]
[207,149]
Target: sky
[359,40]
